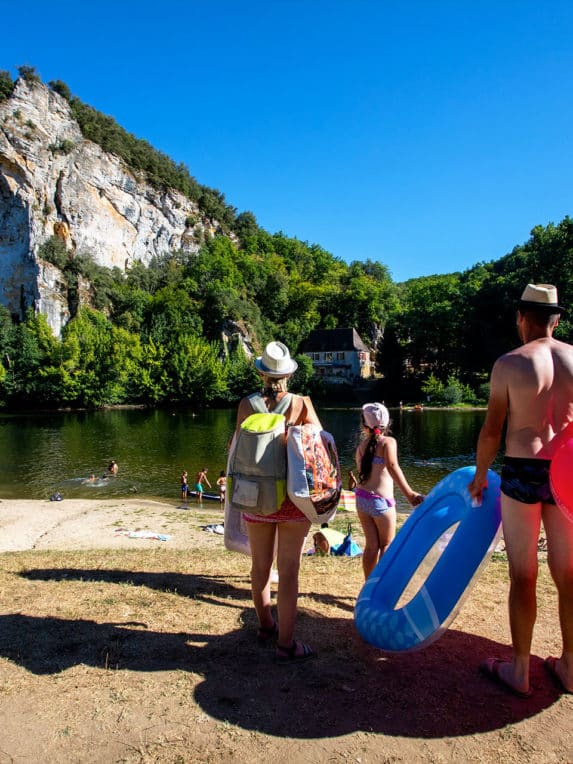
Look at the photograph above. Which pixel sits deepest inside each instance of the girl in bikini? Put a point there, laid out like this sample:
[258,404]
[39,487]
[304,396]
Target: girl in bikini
[378,469]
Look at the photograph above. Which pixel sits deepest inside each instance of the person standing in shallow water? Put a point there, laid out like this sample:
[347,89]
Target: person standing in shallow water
[184,487]
[531,388]
[377,467]
[200,478]
[222,486]
[286,529]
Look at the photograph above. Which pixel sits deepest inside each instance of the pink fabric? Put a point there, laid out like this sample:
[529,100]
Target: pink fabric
[288,512]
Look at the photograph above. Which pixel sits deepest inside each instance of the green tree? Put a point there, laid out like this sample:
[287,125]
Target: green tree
[301,381]
[6,85]
[246,227]
[240,375]
[433,389]
[29,73]
[54,251]
[172,311]
[365,298]
[61,88]
[429,323]
[28,347]
[195,370]
[101,359]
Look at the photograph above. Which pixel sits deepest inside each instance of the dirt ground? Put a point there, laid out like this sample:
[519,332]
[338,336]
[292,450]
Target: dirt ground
[118,649]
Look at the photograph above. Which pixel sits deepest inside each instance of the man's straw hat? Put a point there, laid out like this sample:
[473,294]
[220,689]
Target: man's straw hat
[540,296]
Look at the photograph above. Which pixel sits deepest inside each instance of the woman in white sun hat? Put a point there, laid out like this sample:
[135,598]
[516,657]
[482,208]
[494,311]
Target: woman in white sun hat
[287,528]
[378,469]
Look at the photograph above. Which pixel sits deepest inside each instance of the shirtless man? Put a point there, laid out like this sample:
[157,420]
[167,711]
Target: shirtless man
[531,387]
[200,478]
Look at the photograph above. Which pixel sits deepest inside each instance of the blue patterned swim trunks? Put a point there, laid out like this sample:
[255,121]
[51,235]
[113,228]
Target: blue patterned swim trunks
[526,480]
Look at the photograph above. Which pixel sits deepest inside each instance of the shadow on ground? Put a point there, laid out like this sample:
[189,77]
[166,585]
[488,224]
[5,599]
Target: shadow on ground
[436,692]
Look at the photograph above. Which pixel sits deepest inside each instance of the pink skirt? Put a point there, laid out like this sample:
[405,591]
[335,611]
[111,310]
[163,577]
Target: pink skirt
[288,513]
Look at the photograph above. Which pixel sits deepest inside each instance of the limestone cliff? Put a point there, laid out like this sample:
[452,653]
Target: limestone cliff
[54,182]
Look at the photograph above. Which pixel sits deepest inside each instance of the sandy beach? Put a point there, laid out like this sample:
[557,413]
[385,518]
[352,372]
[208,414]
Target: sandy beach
[28,524]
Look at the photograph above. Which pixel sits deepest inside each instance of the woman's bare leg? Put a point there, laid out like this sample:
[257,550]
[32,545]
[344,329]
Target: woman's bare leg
[291,540]
[262,543]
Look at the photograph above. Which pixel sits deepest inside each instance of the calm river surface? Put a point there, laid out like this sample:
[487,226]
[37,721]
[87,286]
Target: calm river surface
[44,453]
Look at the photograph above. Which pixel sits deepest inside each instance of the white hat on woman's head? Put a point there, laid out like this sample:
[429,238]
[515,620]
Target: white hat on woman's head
[276,361]
[375,415]
[540,296]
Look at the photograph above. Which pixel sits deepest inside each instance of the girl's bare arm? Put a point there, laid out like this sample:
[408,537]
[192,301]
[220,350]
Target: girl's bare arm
[391,459]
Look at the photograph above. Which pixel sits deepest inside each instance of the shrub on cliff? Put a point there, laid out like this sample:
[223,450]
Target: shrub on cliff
[6,85]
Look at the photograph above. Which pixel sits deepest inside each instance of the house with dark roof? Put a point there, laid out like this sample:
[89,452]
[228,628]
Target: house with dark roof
[338,355]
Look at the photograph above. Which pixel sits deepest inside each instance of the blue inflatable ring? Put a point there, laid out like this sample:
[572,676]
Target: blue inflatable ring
[427,615]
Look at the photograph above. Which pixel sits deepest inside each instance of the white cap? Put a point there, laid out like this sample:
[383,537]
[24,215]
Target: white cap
[375,415]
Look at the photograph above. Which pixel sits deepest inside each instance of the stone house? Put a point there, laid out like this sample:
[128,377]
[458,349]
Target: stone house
[338,355]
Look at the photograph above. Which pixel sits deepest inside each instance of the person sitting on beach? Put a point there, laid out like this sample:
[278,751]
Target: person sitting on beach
[378,468]
[200,478]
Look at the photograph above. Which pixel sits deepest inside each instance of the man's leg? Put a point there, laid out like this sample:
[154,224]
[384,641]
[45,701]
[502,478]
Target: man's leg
[559,532]
[521,524]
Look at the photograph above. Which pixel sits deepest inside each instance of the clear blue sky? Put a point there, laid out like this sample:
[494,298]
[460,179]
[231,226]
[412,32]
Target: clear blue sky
[428,135]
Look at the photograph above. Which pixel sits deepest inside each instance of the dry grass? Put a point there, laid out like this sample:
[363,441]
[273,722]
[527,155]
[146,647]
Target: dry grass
[149,656]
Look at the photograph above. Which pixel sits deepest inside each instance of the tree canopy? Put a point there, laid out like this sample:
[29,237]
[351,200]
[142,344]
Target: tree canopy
[153,335]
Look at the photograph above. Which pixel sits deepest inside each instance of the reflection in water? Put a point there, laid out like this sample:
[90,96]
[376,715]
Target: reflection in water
[44,453]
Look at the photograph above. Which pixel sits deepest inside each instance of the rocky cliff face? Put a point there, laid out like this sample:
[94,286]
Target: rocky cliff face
[54,182]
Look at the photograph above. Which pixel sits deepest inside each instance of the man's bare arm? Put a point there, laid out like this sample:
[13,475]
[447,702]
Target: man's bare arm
[491,431]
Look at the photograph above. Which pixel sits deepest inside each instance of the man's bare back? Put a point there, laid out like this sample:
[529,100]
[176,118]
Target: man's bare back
[536,380]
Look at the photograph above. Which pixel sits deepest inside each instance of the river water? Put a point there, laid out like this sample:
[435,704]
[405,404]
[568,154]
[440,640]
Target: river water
[44,453]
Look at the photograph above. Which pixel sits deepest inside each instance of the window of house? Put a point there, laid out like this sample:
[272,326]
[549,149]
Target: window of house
[340,356]
[328,356]
[315,356]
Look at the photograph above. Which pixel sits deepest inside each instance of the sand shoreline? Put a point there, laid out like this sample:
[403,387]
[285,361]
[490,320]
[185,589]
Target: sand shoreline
[74,524]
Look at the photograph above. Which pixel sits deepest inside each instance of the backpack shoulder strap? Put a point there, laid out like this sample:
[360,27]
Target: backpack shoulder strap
[259,406]
[283,405]
[257,403]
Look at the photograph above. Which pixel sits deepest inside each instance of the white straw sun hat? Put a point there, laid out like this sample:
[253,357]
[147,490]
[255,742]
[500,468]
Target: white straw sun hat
[540,296]
[276,361]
